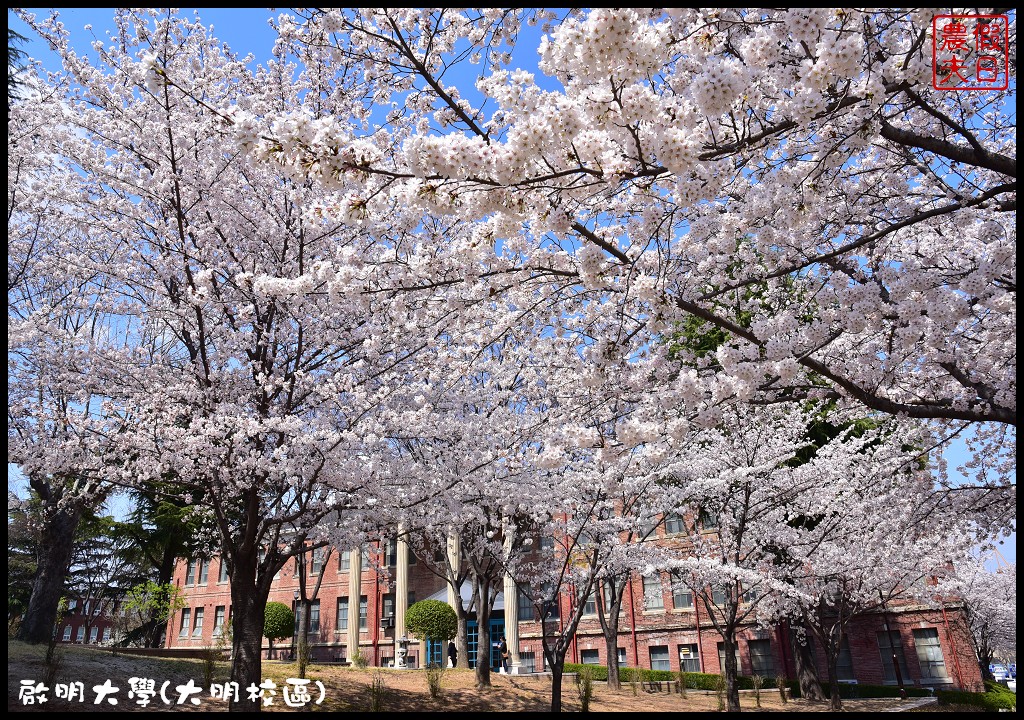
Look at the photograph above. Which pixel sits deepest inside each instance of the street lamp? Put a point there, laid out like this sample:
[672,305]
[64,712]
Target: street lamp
[298,625]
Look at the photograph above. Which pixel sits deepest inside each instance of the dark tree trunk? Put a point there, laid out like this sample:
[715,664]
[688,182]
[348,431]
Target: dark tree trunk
[556,684]
[611,647]
[835,702]
[732,690]
[462,636]
[166,570]
[249,602]
[806,675]
[608,615]
[483,646]
[56,543]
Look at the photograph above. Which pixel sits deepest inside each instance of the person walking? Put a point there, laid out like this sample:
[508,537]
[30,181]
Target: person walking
[503,651]
[453,654]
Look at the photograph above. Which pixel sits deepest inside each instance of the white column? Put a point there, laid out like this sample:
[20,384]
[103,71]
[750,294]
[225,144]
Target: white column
[454,560]
[511,611]
[355,584]
[401,596]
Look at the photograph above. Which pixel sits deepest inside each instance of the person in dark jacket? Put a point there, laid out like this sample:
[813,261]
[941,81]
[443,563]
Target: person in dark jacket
[503,651]
[453,654]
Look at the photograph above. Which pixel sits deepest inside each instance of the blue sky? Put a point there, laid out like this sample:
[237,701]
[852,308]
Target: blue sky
[245,31]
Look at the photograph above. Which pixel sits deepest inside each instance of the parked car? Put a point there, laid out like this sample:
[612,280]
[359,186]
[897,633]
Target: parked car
[999,671]
[1013,670]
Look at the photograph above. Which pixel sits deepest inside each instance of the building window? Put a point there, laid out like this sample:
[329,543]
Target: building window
[886,651]
[316,563]
[94,634]
[190,575]
[72,604]
[708,519]
[590,657]
[761,661]
[197,631]
[388,603]
[342,619]
[609,590]
[524,604]
[528,662]
[391,552]
[412,557]
[620,653]
[106,633]
[222,575]
[204,571]
[844,663]
[590,606]
[186,622]
[929,654]
[67,633]
[689,658]
[85,609]
[552,611]
[547,543]
[80,635]
[344,561]
[364,559]
[412,598]
[682,599]
[647,527]
[218,621]
[314,616]
[362,612]
[659,657]
[719,596]
[653,597]
[674,524]
[721,658]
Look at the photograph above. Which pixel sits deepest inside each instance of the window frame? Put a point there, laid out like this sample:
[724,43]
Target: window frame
[653,589]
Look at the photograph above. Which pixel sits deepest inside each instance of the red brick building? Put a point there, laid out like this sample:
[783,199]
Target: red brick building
[360,603]
[88,622]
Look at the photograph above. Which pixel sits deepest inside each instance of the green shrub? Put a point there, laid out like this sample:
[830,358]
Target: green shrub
[852,691]
[598,672]
[585,687]
[991,686]
[431,620]
[699,681]
[378,690]
[278,623]
[360,659]
[435,674]
[991,701]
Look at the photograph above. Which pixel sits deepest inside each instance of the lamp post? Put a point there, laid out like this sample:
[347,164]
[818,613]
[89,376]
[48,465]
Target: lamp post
[298,625]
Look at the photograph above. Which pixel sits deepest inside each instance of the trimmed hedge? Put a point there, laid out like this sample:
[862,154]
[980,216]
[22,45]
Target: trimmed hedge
[694,681]
[848,691]
[998,687]
[995,700]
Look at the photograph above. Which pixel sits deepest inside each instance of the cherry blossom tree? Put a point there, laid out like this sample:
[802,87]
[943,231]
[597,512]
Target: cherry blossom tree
[989,598]
[55,316]
[306,270]
[252,336]
[867,540]
[661,137]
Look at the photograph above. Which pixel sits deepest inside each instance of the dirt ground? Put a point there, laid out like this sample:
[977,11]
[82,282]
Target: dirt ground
[348,689]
